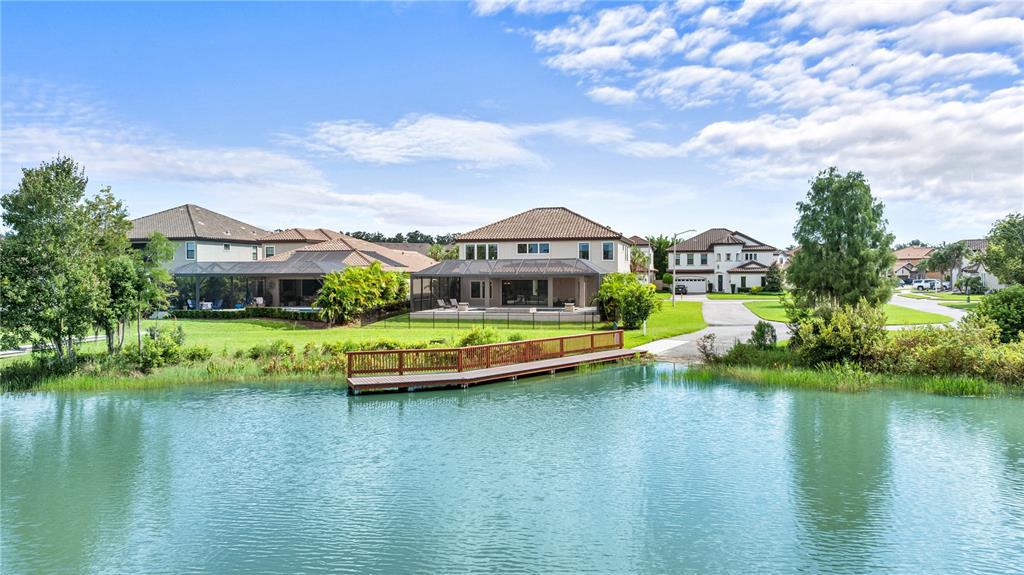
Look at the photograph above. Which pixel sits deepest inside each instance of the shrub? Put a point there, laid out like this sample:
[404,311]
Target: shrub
[834,334]
[756,290]
[749,354]
[248,313]
[278,348]
[196,353]
[773,278]
[706,348]
[347,294]
[157,352]
[622,298]
[973,282]
[763,336]
[478,336]
[1006,309]
[666,278]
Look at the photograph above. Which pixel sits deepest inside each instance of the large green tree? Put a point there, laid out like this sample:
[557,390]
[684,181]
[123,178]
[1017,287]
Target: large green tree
[115,268]
[1004,256]
[153,283]
[845,250]
[660,246]
[48,266]
[946,257]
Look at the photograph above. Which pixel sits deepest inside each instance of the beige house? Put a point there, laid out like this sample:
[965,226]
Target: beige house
[908,268]
[200,235]
[642,244]
[720,260]
[544,257]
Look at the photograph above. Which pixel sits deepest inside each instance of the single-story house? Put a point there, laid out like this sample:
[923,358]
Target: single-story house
[720,260]
[544,257]
[289,279]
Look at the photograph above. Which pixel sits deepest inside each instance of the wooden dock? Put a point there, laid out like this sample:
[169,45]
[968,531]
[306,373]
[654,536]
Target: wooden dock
[416,369]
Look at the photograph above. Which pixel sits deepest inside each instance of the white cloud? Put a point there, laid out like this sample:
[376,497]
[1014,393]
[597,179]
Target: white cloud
[612,95]
[979,29]
[412,211]
[472,143]
[477,144]
[740,54]
[693,86]
[489,7]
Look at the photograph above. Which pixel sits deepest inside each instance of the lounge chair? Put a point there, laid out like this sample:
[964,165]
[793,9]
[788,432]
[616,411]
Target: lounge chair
[455,302]
[441,304]
[218,303]
[189,304]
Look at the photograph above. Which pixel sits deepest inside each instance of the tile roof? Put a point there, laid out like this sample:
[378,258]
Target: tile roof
[638,241]
[913,253]
[189,222]
[750,267]
[543,224]
[356,252]
[301,235]
[418,247]
[706,240]
[976,245]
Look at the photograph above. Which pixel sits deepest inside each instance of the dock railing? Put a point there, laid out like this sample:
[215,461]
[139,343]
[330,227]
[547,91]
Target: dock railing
[457,359]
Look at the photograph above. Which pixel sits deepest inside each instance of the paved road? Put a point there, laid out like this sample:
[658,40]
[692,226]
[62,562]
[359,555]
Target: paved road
[928,305]
[731,321]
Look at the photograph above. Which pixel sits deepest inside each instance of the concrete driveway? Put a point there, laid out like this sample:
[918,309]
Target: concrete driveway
[729,320]
[928,305]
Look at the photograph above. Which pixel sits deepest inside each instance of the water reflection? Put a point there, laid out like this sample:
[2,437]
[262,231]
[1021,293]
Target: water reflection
[618,470]
[841,477]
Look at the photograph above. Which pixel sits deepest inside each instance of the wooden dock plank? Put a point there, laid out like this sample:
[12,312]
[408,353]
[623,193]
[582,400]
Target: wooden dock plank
[477,376]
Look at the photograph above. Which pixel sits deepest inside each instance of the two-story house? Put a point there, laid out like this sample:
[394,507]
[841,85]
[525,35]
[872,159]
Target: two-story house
[647,274]
[720,260]
[544,257]
[284,241]
[200,235]
[967,267]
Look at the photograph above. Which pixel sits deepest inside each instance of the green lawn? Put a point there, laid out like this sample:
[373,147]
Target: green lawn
[960,305]
[945,296]
[685,317]
[895,315]
[245,333]
[741,296]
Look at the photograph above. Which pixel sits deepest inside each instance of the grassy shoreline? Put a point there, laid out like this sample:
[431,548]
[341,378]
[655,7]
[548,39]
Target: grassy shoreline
[846,381]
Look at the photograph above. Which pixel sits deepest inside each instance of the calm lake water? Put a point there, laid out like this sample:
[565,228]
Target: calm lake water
[619,470]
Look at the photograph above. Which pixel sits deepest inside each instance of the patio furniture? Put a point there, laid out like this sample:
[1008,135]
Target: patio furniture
[189,304]
[463,306]
[258,301]
[205,305]
[570,307]
[218,304]
[442,305]
[455,302]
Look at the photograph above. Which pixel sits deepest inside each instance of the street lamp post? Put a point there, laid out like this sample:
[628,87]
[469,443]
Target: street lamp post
[673,263]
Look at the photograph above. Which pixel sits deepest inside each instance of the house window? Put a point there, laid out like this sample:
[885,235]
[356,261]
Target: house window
[743,281]
[677,260]
[584,250]
[255,253]
[703,259]
[521,248]
[227,247]
[492,251]
[476,290]
[190,250]
[608,251]
[470,252]
[718,257]
[269,251]
[689,259]
[533,248]
[544,248]
[728,257]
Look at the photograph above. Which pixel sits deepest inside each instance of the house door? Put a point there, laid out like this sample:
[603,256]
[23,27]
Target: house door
[719,283]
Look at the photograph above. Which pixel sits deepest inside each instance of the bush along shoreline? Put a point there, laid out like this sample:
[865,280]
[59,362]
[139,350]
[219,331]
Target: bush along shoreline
[846,348]
[166,360]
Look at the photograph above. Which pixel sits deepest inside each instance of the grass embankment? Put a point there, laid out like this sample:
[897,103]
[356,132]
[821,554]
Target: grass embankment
[684,317]
[844,380]
[894,314]
[744,296]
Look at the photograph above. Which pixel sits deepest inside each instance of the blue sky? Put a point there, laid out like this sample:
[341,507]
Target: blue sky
[650,118]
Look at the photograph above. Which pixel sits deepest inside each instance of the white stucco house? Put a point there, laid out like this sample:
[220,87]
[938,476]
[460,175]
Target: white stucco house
[642,244]
[544,257]
[968,268]
[720,260]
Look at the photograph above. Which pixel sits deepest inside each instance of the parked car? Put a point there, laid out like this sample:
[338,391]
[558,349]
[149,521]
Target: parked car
[680,289]
[926,284]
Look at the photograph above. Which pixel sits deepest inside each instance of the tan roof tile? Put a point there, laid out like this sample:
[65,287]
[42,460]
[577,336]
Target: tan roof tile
[190,221]
[543,224]
[301,235]
[705,241]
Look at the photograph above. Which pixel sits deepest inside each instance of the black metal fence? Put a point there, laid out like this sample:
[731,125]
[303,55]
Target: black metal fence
[480,318]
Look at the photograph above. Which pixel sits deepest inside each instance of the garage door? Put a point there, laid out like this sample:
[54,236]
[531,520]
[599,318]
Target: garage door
[693,285]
